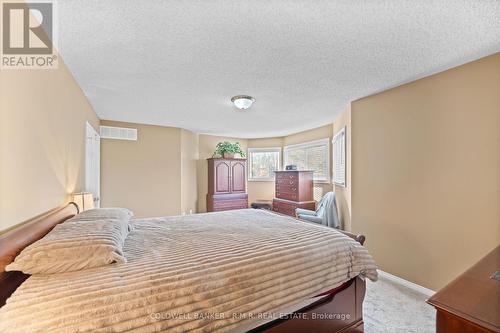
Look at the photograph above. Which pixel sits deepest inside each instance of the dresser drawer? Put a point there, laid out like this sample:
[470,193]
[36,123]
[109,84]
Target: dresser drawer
[287,195]
[217,203]
[286,182]
[230,203]
[287,188]
[281,176]
[284,208]
[287,191]
[285,211]
[288,207]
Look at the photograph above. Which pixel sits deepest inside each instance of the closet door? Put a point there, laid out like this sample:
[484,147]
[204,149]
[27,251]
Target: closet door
[222,172]
[238,176]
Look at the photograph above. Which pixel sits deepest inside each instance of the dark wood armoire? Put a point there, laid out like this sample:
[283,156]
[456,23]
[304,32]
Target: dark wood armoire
[227,186]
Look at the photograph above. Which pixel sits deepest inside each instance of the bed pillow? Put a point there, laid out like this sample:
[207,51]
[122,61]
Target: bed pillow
[123,214]
[73,247]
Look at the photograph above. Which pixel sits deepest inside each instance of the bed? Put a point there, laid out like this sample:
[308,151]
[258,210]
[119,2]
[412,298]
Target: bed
[236,271]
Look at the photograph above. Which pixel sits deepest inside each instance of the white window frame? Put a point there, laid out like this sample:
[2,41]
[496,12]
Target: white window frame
[339,144]
[309,144]
[262,150]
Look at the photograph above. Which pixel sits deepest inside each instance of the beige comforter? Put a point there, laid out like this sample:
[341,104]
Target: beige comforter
[198,273]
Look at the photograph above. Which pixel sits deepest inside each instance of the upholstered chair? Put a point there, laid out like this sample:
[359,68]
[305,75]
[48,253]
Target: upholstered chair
[326,212]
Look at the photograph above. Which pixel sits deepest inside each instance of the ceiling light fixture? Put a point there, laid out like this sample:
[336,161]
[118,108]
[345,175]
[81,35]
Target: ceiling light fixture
[243,102]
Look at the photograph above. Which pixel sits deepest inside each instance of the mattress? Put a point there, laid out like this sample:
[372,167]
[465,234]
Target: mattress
[199,273]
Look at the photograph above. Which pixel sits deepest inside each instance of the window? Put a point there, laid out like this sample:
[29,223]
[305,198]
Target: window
[339,159]
[262,163]
[314,155]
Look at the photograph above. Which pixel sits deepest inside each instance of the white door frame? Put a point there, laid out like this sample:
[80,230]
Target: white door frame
[93,163]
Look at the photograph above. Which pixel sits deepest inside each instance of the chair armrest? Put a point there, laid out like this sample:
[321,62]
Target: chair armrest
[300,211]
[310,218]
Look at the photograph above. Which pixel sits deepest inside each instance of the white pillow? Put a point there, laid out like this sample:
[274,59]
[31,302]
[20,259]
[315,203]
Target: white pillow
[103,214]
[73,247]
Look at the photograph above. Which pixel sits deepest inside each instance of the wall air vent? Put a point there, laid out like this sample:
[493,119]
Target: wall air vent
[118,133]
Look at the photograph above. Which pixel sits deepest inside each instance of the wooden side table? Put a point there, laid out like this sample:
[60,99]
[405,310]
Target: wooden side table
[471,302]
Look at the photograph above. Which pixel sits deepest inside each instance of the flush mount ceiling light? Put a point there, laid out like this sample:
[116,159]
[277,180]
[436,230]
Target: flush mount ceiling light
[243,102]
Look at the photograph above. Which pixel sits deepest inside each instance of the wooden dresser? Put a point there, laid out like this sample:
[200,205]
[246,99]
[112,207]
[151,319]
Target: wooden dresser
[471,302]
[226,184]
[294,189]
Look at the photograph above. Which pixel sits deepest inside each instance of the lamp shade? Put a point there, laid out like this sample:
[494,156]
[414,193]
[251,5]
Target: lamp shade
[84,200]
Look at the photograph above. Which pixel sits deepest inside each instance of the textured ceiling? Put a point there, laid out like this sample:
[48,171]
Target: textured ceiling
[178,63]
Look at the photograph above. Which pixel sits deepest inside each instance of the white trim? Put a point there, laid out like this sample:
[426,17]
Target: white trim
[325,141]
[413,286]
[261,150]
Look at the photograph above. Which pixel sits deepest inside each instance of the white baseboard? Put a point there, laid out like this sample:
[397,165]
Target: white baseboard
[413,286]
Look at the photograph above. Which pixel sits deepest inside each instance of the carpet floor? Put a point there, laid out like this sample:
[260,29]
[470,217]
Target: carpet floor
[390,307]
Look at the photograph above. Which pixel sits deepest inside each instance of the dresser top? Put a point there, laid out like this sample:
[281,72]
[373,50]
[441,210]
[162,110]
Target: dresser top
[474,295]
[277,171]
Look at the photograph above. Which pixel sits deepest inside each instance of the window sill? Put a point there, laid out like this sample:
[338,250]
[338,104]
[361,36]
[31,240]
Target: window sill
[326,182]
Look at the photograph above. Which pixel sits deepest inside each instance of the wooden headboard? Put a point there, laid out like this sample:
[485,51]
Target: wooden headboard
[15,240]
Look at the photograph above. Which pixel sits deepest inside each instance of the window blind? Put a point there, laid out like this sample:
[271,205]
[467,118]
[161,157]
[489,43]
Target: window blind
[339,157]
[312,155]
[262,163]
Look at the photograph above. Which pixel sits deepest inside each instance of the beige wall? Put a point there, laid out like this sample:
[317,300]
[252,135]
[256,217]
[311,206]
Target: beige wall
[426,172]
[42,141]
[189,163]
[207,145]
[309,135]
[343,194]
[143,175]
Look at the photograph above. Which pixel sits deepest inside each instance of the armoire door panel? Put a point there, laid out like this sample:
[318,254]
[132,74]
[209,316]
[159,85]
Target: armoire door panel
[222,177]
[238,177]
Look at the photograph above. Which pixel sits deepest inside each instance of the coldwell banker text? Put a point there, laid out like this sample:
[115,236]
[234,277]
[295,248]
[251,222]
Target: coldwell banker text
[28,36]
